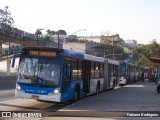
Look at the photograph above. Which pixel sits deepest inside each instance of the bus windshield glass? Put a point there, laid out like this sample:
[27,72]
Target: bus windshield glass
[39,71]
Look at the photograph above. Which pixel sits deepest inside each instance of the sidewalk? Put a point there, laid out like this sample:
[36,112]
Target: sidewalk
[139,96]
[4,73]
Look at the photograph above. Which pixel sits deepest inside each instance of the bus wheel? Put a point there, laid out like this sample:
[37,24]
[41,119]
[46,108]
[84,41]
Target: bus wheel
[97,89]
[113,84]
[158,90]
[75,95]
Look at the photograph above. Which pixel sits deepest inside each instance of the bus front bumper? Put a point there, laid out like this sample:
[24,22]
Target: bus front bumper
[50,97]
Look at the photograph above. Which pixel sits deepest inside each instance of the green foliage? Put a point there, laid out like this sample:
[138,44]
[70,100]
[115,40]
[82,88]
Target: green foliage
[110,51]
[148,50]
[81,41]
[5,16]
[143,61]
[47,38]
[62,32]
[121,41]
[103,37]
[152,49]
[38,32]
[49,32]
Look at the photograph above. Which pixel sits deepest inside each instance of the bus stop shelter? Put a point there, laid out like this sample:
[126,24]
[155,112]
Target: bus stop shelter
[155,60]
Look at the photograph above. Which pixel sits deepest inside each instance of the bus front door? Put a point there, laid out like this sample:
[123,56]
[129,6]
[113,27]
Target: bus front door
[86,85]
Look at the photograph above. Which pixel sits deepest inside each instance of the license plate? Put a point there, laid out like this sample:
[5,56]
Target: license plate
[35,97]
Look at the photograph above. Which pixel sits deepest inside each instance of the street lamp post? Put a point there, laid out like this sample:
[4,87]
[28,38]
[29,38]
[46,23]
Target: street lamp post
[75,33]
[58,39]
[78,31]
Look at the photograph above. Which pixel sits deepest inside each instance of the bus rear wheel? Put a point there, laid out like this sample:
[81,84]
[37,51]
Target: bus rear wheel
[97,89]
[114,84]
[75,95]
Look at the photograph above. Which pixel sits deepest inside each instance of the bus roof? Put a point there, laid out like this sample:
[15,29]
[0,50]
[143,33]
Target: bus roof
[113,62]
[93,58]
[42,48]
[73,54]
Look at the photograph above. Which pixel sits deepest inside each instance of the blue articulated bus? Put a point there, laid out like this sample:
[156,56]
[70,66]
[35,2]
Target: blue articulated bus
[128,73]
[60,75]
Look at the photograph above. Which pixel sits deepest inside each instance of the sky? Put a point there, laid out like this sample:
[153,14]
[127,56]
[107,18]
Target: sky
[131,19]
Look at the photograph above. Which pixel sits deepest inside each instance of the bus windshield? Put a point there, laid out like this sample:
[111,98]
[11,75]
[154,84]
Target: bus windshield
[39,71]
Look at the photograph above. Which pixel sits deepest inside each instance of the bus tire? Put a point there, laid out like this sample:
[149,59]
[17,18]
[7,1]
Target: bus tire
[98,88]
[76,94]
[158,90]
[114,84]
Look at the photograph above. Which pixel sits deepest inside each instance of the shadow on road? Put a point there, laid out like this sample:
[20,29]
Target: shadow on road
[7,82]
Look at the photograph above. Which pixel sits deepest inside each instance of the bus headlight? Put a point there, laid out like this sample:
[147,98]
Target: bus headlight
[19,88]
[56,91]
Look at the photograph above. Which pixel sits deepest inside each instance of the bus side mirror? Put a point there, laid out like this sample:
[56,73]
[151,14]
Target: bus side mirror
[13,62]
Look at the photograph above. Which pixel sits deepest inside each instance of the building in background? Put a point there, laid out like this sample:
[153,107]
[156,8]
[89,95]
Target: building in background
[130,41]
[113,39]
[85,47]
[90,38]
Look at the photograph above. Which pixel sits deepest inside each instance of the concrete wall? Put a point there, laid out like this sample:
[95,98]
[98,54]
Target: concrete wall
[3,65]
[87,47]
[79,47]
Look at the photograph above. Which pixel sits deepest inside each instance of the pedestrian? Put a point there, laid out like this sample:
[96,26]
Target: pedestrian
[68,71]
[150,74]
[142,76]
[156,78]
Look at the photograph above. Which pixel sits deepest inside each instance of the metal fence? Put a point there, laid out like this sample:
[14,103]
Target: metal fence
[11,50]
[22,35]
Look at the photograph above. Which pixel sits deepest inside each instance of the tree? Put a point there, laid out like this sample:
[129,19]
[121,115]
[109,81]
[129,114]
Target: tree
[38,33]
[62,32]
[121,41]
[6,20]
[110,51]
[49,32]
[152,49]
[148,50]
[5,16]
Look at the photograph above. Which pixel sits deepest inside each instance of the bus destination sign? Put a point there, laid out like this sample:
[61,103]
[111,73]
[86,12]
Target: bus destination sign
[42,53]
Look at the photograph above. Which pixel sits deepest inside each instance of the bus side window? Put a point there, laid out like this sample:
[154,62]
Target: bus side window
[67,71]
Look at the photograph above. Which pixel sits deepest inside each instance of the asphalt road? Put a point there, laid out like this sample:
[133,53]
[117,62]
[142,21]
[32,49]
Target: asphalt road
[140,97]
[7,87]
[6,95]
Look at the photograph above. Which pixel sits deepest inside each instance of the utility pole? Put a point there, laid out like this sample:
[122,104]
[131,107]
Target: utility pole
[58,39]
[113,53]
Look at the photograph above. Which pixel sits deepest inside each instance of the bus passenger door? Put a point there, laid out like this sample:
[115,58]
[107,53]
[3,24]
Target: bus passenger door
[105,74]
[86,73]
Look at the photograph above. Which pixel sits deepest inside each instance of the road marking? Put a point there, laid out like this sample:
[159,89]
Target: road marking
[117,87]
[12,100]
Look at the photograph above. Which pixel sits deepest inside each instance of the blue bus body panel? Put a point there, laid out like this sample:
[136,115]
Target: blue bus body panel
[68,94]
[73,54]
[36,90]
